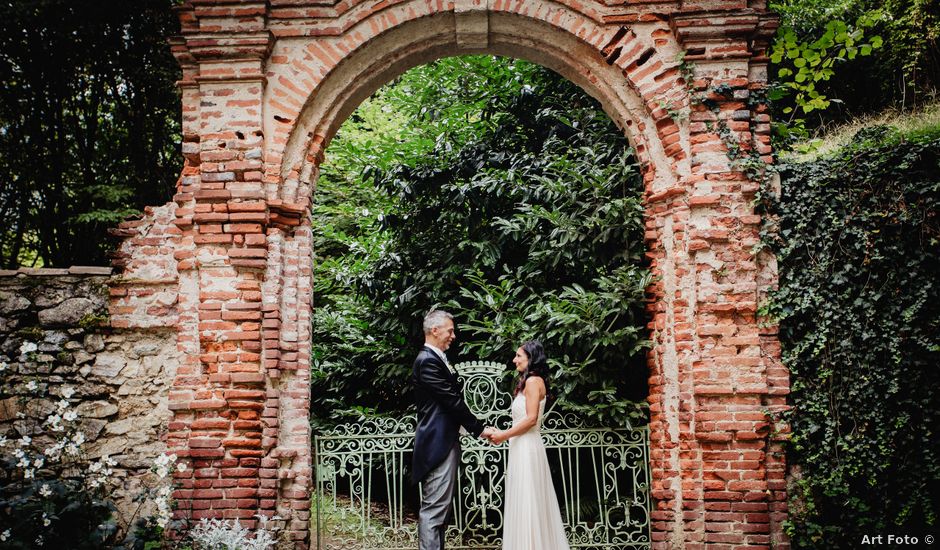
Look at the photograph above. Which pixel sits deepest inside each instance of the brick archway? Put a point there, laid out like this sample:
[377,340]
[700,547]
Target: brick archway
[227,263]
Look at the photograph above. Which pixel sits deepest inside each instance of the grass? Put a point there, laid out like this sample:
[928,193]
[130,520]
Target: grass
[341,525]
[924,120]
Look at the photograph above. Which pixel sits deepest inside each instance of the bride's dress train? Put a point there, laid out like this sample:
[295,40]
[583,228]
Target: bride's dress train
[532,519]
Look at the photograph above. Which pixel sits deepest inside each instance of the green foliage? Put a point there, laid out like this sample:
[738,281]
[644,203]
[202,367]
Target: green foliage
[905,71]
[93,320]
[814,61]
[858,245]
[805,65]
[89,124]
[82,518]
[503,193]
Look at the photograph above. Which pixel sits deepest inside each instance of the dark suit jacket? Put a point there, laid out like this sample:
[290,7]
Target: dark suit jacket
[441,412]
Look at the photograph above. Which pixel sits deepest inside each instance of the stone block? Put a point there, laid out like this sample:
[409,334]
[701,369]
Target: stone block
[145,349]
[109,447]
[8,408]
[13,303]
[82,357]
[120,427]
[97,409]
[69,312]
[94,343]
[108,365]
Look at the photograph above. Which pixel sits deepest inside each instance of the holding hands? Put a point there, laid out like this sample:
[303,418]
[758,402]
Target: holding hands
[495,436]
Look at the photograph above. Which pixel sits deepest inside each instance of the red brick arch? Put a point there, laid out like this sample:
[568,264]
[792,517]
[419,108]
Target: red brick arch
[651,77]
[267,84]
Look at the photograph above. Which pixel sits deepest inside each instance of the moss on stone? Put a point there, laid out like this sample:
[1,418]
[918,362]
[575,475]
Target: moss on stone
[93,320]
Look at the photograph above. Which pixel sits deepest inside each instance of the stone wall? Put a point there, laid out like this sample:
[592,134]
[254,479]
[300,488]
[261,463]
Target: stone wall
[121,378]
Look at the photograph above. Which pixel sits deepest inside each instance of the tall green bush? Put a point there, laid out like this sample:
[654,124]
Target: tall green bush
[507,196]
[858,245]
[89,124]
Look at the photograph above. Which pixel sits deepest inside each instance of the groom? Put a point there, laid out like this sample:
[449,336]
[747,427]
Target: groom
[441,413]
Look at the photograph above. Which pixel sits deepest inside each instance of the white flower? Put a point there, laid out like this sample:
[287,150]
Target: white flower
[32,386]
[18,453]
[70,416]
[45,520]
[45,491]
[28,473]
[78,438]
[25,441]
[28,347]
[54,452]
[63,404]
[38,462]
[3,441]
[23,463]
[53,419]
[3,366]
[163,465]
[68,392]
[39,541]
[5,535]
[180,467]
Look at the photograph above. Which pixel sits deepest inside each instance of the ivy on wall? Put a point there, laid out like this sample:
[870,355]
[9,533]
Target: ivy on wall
[857,238]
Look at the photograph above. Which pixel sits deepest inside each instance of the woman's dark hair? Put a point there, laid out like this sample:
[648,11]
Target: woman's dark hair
[538,365]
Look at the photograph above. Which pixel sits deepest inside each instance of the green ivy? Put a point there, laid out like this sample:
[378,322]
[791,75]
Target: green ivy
[857,238]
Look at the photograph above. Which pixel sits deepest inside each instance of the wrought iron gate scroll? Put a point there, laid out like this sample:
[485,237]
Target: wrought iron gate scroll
[601,476]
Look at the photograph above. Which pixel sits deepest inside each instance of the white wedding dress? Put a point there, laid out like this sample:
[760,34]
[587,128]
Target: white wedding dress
[531,518]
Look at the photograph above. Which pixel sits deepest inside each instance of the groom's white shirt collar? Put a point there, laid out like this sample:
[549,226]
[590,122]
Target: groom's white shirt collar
[438,352]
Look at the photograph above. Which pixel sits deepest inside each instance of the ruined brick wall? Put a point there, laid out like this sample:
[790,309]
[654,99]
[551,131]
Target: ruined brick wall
[227,264]
[121,379]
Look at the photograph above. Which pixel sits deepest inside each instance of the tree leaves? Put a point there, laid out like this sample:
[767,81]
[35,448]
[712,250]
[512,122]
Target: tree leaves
[813,61]
[894,65]
[524,218]
[89,124]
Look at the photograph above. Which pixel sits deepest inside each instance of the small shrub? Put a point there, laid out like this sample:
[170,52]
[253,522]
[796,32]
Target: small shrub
[215,534]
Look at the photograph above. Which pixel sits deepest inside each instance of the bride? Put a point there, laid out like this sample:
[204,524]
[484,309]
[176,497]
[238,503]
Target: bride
[531,518]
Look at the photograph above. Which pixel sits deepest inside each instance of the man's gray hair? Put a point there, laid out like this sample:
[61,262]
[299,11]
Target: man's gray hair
[435,319]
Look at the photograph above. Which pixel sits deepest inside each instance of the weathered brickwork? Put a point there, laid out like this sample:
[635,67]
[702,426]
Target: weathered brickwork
[228,264]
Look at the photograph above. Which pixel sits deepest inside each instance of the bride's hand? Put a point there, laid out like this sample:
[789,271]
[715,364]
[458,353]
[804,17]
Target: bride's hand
[498,437]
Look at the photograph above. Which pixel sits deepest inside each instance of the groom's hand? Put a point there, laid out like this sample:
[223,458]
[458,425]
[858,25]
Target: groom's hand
[488,433]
